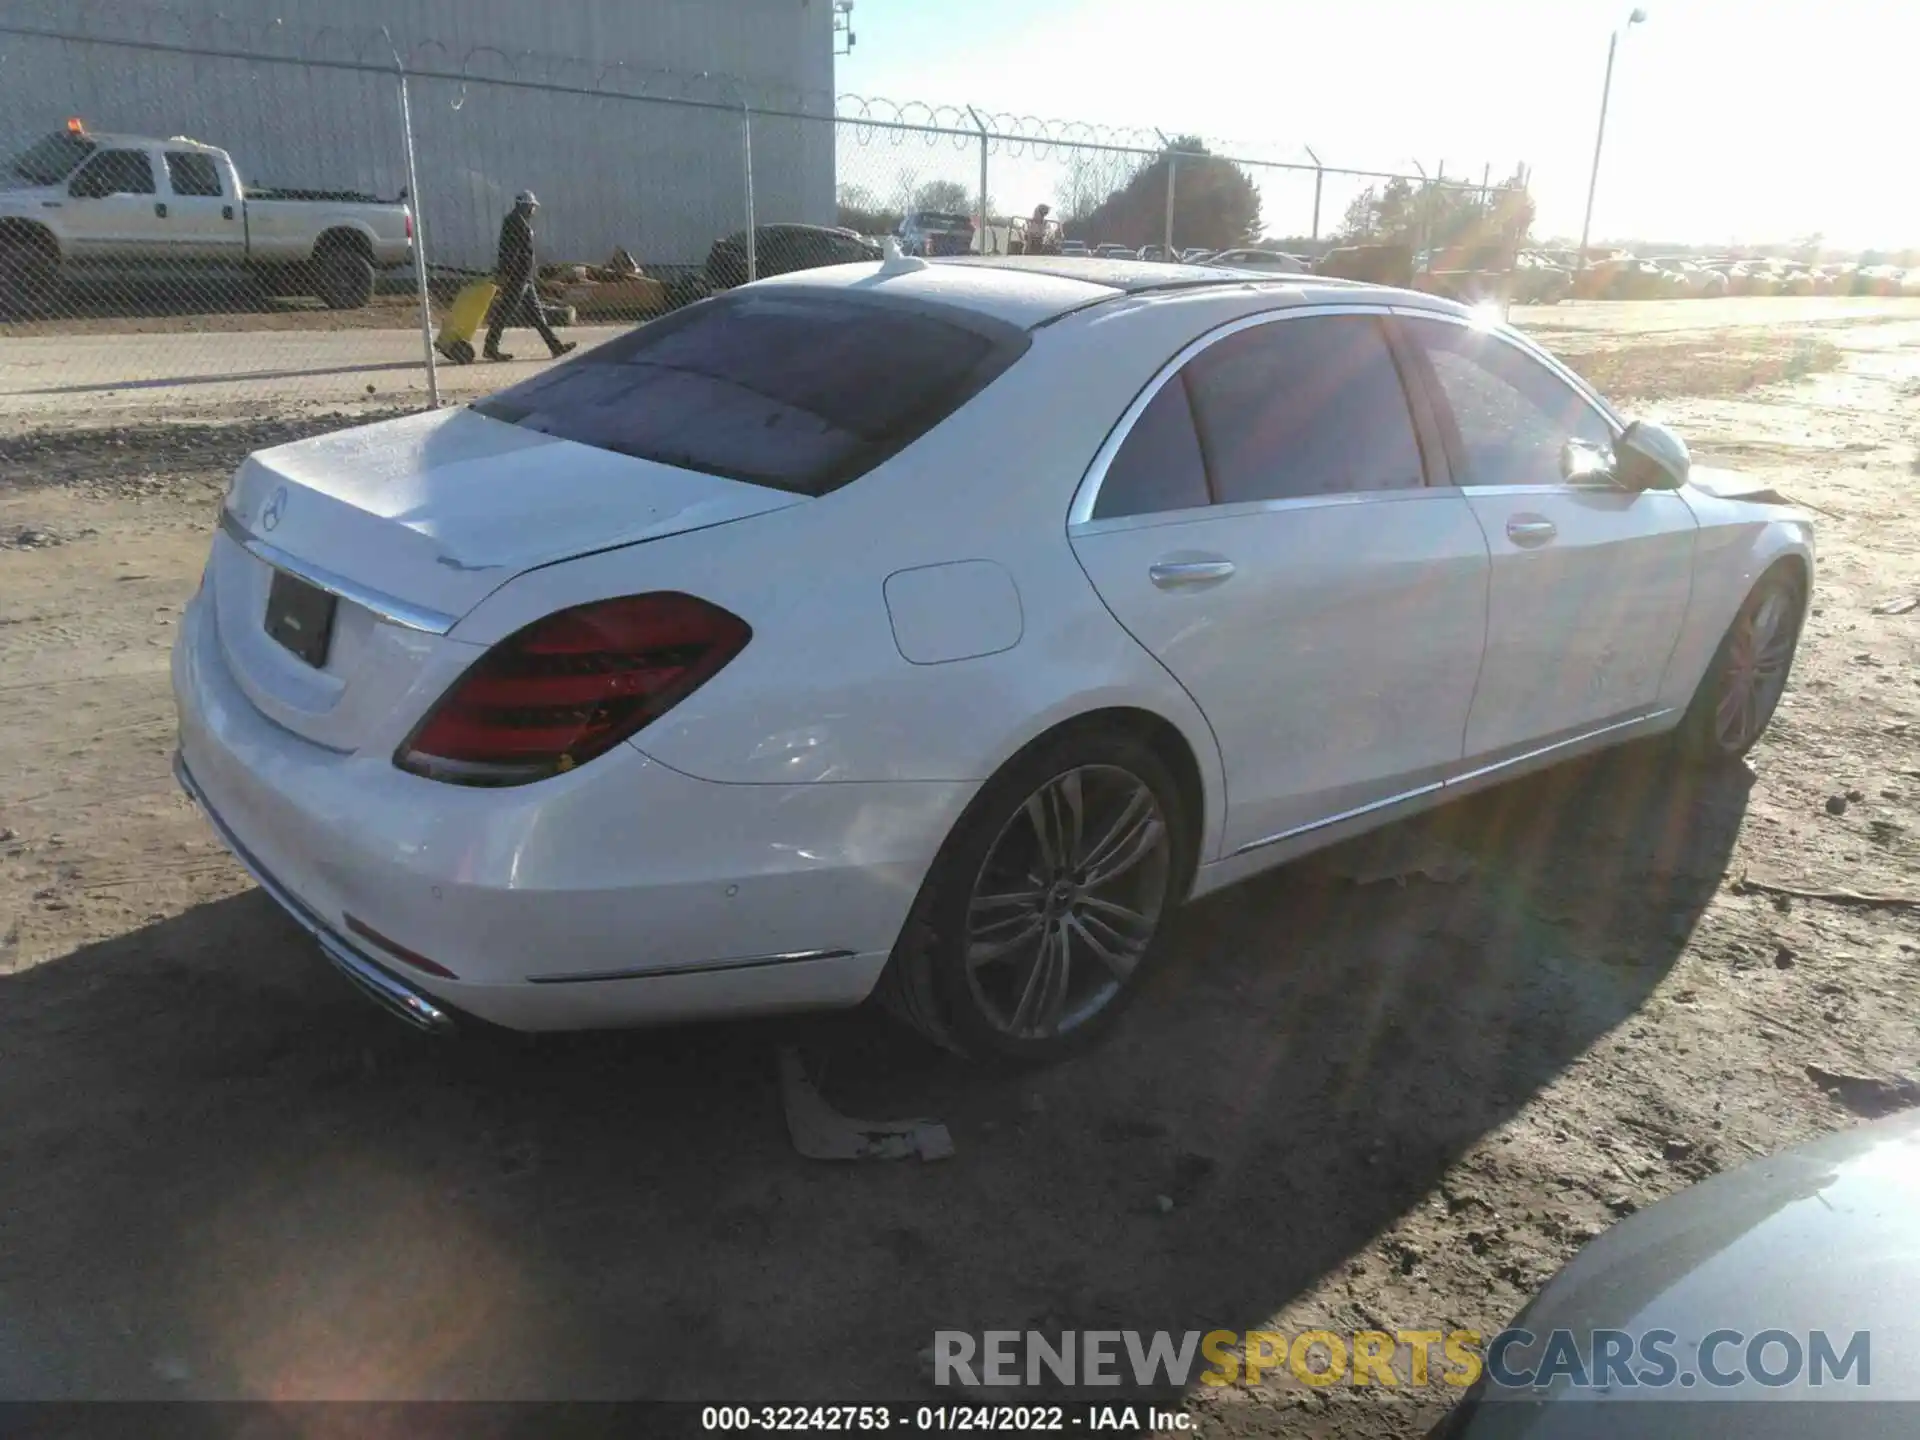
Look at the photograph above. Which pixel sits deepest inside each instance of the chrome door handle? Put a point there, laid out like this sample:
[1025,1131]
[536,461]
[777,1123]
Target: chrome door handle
[1170,574]
[1531,532]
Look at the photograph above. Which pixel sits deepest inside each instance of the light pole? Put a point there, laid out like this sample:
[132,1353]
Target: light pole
[1600,137]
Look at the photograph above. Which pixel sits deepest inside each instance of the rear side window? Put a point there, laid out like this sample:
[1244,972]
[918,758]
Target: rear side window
[1158,466]
[192,174]
[1312,406]
[799,391]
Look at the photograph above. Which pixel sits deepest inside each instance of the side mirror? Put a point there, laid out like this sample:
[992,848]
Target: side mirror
[87,187]
[1650,457]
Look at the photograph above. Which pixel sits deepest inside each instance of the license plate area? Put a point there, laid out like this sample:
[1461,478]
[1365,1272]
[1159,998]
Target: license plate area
[300,617]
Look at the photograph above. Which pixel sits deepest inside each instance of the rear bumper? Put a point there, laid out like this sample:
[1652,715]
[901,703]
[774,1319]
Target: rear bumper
[386,990]
[621,893]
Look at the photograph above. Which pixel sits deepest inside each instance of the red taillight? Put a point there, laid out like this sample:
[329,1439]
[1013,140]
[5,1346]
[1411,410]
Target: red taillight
[570,686]
[409,224]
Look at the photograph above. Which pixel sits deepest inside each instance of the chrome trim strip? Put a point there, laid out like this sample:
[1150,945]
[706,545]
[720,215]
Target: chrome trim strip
[697,967]
[1449,783]
[1087,495]
[1352,814]
[1559,745]
[1564,487]
[369,979]
[1147,520]
[386,607]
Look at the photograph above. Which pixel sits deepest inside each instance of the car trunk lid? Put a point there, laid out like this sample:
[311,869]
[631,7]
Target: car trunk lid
[409,524]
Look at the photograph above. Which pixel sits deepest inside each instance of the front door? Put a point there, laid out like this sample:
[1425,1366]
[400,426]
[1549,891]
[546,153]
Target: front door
[1590,582]
[114,207]
[1265,529]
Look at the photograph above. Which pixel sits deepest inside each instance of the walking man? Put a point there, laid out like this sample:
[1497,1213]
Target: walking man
[518,303]
[1036,237]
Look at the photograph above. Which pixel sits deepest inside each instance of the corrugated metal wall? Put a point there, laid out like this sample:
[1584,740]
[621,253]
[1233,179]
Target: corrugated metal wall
[660,179]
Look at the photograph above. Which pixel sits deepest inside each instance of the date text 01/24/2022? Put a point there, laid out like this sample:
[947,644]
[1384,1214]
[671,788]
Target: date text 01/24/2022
[927,1419]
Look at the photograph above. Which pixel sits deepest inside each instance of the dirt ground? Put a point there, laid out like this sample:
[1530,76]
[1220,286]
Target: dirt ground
[1341,1105]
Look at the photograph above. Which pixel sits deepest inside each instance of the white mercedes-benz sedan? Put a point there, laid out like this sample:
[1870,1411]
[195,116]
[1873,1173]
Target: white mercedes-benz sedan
[933,629]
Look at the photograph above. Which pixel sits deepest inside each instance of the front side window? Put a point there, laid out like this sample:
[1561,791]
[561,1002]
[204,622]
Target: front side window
[800,391]
[1302,407]
[1516,418]
[115,172]
[191,173]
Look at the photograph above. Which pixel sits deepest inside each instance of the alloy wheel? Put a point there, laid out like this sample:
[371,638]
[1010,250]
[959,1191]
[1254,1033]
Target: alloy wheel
[1760,652]
[1067,901]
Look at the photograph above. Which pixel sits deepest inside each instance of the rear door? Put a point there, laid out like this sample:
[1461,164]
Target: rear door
[115,206]
[203,221]
[1590,581]
[1260,520]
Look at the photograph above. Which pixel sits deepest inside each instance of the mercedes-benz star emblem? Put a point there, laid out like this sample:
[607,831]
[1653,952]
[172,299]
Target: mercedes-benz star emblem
[276,507]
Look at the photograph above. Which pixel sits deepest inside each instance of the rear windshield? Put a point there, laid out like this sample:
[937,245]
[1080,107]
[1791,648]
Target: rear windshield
[800,391]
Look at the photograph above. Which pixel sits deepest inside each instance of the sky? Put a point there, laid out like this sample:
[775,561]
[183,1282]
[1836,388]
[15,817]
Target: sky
[1729,122]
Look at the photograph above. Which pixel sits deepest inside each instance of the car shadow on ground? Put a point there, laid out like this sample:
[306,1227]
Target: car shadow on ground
[228,1175]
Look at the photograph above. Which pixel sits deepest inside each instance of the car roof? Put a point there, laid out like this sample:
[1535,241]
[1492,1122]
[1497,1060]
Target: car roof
[1035,290]
[172,142]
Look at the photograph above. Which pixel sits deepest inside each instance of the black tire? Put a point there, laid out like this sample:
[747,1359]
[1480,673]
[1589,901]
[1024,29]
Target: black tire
[1707,734]
[343,279]
[928,983]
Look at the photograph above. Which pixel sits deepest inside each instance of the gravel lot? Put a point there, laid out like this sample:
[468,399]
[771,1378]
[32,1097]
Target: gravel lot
[1346,1103]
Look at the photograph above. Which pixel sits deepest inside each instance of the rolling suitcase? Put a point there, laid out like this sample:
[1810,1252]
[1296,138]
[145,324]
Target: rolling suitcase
[464,318]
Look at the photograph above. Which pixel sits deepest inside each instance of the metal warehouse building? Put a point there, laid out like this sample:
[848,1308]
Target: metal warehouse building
[505,96]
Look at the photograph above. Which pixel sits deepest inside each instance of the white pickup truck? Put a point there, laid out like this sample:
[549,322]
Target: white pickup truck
[79,206]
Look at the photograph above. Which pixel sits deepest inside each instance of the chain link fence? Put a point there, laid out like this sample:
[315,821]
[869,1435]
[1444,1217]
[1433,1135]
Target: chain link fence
[237,211]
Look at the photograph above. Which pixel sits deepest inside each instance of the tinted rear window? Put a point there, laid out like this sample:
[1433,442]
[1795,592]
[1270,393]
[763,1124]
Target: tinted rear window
[802,392]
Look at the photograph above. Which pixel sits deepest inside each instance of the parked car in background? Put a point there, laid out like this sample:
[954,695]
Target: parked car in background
[1074,247]
[1156,253]
[1538,281]
[1196,255]
[1625,277]
[1379,263]
[591,757]
[935,232]
[1473,274]
[780,249]
[1599,278]
[1113,252]
[1693,277]
[81,207]
[1881,280]
[1257,258]
[1797,278]
[1755,277]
